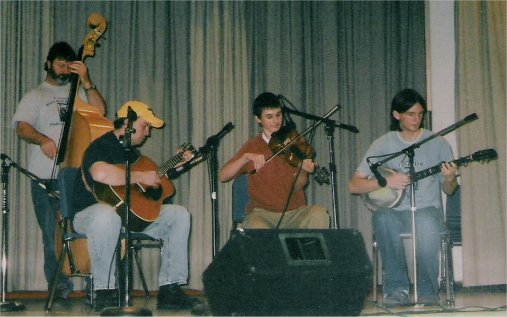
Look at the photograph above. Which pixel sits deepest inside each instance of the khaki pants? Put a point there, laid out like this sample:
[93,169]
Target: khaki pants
[305,217]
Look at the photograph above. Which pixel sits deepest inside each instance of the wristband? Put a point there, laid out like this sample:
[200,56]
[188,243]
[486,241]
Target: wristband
[93,86]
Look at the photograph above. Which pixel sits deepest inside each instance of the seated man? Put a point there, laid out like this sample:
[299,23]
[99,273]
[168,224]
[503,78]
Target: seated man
[102,163]
[408,109]
[276,185]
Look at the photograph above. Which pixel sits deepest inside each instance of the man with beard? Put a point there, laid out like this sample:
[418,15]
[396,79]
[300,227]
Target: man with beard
[39,120]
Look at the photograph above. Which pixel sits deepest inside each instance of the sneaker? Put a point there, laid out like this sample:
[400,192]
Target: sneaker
[396,298]
[105,298]
[428,300]
[63,290]
[171,296]
[201,309]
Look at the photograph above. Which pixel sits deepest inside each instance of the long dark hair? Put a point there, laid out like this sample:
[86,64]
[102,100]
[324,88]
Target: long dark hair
[402,101]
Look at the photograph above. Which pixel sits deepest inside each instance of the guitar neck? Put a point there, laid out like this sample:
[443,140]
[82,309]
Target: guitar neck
[172,162]
[437,168]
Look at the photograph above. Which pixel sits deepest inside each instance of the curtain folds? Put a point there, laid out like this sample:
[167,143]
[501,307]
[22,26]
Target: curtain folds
[199,65]
[481,84]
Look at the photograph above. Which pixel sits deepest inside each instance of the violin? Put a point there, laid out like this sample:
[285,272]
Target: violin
[288,142]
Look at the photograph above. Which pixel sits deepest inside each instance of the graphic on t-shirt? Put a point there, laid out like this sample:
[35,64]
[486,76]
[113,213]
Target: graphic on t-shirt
[62,110]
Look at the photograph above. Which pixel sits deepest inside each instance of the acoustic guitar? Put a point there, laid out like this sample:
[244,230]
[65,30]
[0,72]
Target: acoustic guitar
[145,202]
[387,197]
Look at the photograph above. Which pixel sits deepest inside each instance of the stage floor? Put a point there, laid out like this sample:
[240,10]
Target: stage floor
[475,301]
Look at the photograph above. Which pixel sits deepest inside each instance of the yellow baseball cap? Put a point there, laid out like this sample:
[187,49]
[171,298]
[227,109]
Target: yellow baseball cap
[142,110]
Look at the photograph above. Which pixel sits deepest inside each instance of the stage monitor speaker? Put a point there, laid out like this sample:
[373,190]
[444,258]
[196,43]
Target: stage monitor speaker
[289,272]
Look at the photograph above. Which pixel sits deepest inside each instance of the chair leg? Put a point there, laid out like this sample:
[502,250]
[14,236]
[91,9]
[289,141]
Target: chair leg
[450,272]
[141,273]
[375,271]
[92,291]
[443,264]
[447,269]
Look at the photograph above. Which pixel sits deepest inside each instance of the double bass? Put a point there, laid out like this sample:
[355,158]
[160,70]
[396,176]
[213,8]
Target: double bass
[83,124]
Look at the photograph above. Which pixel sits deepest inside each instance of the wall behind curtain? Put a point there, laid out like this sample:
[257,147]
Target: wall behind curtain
[200,65]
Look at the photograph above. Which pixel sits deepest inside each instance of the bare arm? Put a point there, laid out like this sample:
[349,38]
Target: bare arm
[115,176]
[360,184]
[230,169]
[29,134]
[450,183]
[94,97]
[307,168]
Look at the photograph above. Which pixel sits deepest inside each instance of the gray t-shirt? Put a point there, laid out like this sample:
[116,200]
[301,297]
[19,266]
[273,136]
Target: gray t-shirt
[431,153]
[44,108]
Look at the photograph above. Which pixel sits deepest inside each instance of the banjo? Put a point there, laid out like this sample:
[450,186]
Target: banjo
[387,197]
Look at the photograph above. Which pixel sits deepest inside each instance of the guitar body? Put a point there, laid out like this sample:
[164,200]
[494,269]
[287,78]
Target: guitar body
[145,202]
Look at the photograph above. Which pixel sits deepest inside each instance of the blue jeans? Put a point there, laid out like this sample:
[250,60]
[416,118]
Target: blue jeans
[46,209]
[102,225]
[388,224]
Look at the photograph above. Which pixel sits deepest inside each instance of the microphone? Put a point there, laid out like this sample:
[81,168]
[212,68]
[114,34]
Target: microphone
[351,128]
[131,114]
[471,117]
[382,182]
[226,129]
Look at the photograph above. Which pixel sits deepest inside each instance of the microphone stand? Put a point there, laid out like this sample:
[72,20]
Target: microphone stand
[124,272]
[7,162]
[410,152]
[209,151]
[6,305]
[329,129]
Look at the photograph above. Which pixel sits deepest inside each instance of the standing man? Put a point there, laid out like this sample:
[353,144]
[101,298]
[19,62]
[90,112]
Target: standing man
[101,223]
[407,112]
[39,120]
[276,184]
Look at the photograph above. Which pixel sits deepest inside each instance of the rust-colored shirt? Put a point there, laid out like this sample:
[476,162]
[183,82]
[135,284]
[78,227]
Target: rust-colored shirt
[270,186]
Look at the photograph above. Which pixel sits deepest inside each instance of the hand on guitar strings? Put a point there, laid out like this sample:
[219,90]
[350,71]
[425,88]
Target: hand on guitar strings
[449,170]
[397,181]
[185,156]
[148,178]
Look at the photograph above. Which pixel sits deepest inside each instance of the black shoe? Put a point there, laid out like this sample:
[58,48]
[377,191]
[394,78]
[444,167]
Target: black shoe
[63,290]
[171,296]
[201,309]
[396,298]
[105,298]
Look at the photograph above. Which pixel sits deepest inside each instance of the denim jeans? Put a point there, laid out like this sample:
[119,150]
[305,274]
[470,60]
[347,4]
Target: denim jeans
[388,224]
[46,209]
[102,225]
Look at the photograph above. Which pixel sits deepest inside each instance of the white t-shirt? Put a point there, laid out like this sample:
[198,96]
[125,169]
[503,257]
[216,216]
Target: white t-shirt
[44,108]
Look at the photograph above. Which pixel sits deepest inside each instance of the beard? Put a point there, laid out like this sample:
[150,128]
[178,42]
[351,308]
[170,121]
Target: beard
[60,79]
